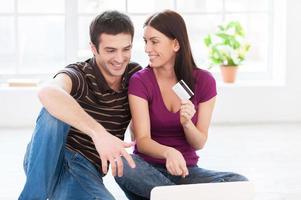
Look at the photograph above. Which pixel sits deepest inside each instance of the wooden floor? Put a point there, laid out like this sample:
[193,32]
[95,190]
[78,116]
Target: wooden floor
[268,154]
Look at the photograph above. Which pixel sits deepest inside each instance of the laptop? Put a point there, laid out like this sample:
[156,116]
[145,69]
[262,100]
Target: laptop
[205,191]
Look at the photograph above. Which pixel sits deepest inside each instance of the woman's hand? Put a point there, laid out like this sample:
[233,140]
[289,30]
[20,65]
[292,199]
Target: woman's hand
[175,163]
[187,111]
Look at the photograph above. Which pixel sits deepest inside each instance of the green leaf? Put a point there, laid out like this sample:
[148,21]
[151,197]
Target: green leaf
[221,27]
[207,40]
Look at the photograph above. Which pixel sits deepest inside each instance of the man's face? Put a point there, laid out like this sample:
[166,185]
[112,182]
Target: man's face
[114,54]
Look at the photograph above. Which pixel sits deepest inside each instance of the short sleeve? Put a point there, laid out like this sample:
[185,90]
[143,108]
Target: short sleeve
[79,86]
[205,86]
[138,87]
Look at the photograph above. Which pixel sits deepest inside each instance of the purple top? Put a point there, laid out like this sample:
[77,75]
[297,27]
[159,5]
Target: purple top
[165,126]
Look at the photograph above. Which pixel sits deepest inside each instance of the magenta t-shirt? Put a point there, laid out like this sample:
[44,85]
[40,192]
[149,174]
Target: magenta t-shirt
[165,126]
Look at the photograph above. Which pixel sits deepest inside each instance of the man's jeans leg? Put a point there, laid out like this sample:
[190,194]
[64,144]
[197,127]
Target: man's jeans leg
[44,156]
[80,180]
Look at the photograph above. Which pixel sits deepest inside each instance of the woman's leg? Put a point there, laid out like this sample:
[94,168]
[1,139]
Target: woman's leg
[137,183]
[200,175]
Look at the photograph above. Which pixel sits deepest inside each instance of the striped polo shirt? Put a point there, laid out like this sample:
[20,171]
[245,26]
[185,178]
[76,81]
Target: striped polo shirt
[106,106]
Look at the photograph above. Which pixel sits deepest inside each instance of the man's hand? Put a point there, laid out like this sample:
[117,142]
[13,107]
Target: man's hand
[110,149]
[175,163]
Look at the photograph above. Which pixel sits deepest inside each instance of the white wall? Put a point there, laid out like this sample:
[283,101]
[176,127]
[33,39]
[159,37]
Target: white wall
[18,107]
[241,104]
[269,104]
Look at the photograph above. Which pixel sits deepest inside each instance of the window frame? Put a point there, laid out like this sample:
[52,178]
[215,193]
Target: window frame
[276,70]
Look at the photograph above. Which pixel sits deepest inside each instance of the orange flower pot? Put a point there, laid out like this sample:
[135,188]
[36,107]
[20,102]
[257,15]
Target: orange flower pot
[229,73]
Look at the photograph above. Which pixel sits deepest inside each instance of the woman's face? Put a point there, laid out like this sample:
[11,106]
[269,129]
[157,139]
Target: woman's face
[160,49]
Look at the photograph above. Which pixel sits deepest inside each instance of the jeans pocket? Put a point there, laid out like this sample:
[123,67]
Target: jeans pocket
[76,156]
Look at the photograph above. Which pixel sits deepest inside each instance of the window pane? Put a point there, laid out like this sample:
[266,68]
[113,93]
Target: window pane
[138,6]
[84,51]
[199,5]
[138,54]
[97,6]
[197,31]
[7,47]
[256,28]
[247,5]
[41,44]
[6,6]
[38,6]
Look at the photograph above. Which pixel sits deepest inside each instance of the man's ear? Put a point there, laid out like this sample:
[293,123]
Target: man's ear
[93,48]
[176,45]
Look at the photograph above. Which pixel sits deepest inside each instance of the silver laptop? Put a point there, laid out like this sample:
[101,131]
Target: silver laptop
[205,191]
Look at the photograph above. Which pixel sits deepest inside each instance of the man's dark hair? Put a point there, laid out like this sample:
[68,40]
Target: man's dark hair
[110,22]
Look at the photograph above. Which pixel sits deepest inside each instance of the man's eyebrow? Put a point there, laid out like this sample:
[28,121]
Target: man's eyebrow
[113,48]
[110,48]
[129,46]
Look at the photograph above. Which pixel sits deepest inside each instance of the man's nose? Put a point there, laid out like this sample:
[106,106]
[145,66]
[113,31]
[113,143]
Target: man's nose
[119,57]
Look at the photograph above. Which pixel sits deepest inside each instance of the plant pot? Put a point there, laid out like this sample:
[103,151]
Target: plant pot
[229,73]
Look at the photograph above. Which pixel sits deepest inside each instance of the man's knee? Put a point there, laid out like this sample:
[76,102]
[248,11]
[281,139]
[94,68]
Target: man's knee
[46,117]
[48,122]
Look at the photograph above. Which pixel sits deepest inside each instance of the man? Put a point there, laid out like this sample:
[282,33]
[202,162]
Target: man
[81,128]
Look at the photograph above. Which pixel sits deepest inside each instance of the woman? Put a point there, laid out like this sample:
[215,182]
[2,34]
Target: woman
[168,131]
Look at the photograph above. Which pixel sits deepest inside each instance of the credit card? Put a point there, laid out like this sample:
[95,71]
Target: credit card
[182,90]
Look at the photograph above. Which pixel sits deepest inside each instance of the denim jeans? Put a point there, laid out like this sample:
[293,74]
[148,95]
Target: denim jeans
[53,172]
[137,183]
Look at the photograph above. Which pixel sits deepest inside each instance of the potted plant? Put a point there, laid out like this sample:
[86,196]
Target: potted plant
[227,48]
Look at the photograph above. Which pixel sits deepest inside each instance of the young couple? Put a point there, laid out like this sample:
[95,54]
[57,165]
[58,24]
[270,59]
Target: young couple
[88,106]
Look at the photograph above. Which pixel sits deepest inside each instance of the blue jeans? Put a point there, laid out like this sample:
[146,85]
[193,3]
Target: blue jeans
[137,183]
[53,172]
